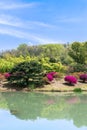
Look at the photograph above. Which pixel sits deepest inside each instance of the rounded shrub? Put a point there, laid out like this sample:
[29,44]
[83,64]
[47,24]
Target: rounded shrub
[7,75]
[27,74]
[50,75]
[77,90]
[83,77]
[70,79]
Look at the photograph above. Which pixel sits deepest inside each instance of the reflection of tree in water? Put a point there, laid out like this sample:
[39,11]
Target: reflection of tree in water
[32,105]
[3,103]
[27,105]
[78,113]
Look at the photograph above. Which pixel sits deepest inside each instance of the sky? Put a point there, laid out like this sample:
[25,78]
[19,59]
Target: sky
[41,22]
[11,122]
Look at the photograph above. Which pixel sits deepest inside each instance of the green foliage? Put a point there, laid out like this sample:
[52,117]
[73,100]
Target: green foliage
[7,63]
[56,67]
[5,66]
[77,90]
[27,74]
[53,57]
[54,52]
[79,68]
[52,60]
[66,60]
[23,50]
[78,52]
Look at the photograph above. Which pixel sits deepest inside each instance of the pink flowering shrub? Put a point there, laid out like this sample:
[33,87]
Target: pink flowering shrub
[50,75]
[7,75]
[70,79]
[83,77]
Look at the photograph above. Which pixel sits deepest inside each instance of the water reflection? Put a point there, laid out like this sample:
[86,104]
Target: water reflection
[71,108]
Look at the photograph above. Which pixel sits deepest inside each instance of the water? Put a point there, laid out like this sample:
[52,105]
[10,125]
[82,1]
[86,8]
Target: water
[37,111]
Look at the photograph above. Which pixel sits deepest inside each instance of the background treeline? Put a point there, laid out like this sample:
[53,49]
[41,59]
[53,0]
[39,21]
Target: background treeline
[55,52]
[74,54]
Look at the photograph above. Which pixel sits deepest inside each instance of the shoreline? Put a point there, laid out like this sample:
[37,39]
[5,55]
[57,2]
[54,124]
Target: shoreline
[56,86]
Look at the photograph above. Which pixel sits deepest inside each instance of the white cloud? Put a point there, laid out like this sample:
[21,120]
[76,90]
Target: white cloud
[16,22]
[9,6]
[72,19]
[37,23]
[9,20]
[25,35]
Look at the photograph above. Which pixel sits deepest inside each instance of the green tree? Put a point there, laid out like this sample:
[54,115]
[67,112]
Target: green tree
[22,50]
[85,51]
[27,74]
[78,52]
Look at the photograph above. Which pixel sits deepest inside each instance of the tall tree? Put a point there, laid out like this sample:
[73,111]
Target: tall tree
[23,49]
[78,52]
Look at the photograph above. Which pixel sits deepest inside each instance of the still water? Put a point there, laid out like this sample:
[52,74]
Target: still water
[38,111]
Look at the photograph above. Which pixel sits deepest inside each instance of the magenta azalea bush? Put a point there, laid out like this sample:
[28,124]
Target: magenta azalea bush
[50,75]
[70,79]
[7,75]
[83,77]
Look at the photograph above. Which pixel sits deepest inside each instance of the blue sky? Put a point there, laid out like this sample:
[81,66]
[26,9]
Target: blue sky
[11,122]
[42,21]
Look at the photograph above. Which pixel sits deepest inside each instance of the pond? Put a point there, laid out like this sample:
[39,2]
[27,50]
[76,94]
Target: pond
[43,111]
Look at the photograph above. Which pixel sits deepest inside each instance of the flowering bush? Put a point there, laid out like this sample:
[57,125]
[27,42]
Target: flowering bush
[51,75]
[7,75]
[70,79]
[83,77]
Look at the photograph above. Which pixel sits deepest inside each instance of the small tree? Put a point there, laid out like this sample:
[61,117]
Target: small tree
[27,73]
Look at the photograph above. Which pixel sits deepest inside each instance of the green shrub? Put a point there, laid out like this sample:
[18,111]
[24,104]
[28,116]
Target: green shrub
[77,68]
[27,74]
[56,67]
[5,66]
[77,90]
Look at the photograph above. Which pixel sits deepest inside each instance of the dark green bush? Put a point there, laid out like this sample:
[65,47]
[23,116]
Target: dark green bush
[27,74]
[77,90]
[78,68]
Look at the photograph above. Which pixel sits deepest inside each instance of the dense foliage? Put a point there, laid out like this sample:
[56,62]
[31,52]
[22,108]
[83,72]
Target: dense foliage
[78,52]
[61,58]
[27,74]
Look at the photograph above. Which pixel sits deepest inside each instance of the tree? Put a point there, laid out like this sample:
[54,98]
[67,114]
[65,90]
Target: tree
[78,52]
[85,51]
[27,74]
[23,50]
